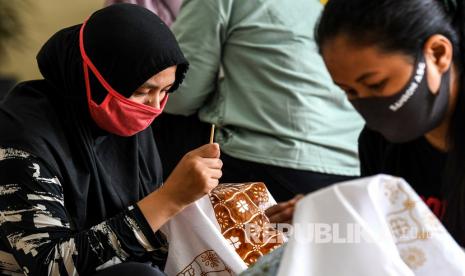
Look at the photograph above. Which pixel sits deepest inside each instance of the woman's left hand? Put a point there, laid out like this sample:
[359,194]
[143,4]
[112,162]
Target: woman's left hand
[283,211]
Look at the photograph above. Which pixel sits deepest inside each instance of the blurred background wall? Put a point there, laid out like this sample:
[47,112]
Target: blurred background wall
[39,19]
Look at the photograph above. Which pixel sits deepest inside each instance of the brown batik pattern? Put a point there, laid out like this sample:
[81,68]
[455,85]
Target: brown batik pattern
[237,207]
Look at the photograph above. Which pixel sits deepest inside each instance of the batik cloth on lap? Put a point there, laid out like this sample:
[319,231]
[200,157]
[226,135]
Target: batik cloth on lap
[210,236]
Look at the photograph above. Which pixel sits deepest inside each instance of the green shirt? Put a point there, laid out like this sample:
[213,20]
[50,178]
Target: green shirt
[274,102]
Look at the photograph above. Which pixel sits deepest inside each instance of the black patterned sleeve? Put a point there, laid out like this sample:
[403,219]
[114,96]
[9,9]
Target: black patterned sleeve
[36,236]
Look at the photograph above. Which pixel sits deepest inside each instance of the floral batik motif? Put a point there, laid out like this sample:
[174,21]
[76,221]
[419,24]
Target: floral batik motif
[240,213]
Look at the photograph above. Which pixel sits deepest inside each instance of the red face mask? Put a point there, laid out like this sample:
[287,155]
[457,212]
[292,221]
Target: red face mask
[116,114]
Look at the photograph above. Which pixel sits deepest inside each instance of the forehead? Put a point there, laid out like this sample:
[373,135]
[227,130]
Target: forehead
[348,60]
[168,75]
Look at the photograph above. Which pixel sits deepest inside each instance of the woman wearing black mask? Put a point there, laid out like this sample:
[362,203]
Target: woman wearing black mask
[401,64]
[80,174]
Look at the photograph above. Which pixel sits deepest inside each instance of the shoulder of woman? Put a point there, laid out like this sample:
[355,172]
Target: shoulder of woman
[370,136]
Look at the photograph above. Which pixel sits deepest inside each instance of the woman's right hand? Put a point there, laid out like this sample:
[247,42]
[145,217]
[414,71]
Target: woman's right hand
[196,175]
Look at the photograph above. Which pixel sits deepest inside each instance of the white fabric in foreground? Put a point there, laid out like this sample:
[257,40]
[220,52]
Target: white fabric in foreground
[403,236]
[196,245]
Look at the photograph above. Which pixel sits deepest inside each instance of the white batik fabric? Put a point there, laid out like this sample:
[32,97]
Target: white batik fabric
[197,246]
[372,226]
[35,232]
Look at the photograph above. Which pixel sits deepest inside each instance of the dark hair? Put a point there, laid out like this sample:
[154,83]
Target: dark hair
[404,27]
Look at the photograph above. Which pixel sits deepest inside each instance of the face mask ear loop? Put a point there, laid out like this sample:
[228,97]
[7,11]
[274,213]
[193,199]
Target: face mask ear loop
[88,64]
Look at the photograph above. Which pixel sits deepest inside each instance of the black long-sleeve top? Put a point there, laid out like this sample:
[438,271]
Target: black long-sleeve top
[37,237]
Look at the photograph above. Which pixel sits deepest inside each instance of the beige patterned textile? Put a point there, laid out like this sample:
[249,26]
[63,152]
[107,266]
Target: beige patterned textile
[374,226]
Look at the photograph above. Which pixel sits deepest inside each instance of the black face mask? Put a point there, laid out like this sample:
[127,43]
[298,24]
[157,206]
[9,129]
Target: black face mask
[409,114]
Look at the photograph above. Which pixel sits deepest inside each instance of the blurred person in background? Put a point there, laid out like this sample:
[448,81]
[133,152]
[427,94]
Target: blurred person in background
[257,75]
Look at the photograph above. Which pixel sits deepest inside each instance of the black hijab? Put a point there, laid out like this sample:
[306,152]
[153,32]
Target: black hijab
[101,173]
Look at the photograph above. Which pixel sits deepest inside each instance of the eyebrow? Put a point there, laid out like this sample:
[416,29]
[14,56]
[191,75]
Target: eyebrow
[153,86]
[365,76]
[149,85]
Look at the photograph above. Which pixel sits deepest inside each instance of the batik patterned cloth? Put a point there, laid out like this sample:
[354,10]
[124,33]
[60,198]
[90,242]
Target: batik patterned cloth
[240,212]
[267,265]
[211,236]
[374,226]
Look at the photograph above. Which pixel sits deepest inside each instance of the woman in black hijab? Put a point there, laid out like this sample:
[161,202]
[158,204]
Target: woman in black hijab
[80,174]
